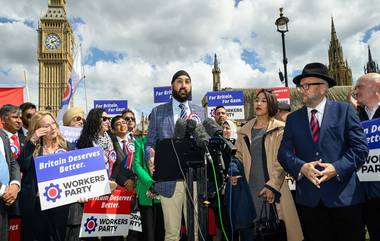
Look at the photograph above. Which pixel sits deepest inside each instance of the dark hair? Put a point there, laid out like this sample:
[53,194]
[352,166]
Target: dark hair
[8,108]
[26,106]
[271,101]
[128,111]
[90,128]
[218,107]
[114,119]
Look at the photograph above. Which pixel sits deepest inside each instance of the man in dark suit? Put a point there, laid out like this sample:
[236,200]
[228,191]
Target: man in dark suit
[322,148]
[10,179]
[27,111]
[367,94]
[123,145]
[161,126]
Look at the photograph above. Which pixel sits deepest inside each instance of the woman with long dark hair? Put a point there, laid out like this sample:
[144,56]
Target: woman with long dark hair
[257,146]
[94,133]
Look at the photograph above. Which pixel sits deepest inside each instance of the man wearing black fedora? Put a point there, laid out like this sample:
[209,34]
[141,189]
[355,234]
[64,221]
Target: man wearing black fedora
[322,148]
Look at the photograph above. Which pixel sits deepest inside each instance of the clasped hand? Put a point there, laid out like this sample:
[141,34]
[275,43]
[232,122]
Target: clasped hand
[316,176]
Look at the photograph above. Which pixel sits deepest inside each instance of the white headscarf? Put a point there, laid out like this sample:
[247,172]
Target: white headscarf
[232,125]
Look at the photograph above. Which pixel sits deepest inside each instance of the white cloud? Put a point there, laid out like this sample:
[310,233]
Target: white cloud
[158,38]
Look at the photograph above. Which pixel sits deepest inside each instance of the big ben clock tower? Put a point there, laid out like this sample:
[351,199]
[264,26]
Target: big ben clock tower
[55,55]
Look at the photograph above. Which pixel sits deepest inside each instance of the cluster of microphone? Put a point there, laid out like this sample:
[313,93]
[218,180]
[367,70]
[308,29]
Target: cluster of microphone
[199,132]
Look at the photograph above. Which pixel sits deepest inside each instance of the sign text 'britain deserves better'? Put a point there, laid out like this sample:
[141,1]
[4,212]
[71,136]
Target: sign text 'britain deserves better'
[65,177]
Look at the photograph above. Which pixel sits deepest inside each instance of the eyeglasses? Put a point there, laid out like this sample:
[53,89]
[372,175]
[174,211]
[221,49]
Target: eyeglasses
[77,118]
[105,118]
[129,118]
[307,86]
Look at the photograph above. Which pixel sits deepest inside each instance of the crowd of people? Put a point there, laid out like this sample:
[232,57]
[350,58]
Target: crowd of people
[320,145]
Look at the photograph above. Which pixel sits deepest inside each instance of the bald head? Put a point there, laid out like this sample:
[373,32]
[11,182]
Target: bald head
[367,89]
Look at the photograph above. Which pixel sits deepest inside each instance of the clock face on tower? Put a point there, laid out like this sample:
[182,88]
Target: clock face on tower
[52,41]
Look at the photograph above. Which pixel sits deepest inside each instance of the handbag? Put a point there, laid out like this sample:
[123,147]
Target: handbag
[268,226]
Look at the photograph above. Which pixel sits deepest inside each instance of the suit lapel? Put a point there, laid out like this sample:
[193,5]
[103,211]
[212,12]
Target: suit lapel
[305,123]
[169,110]
[326,119]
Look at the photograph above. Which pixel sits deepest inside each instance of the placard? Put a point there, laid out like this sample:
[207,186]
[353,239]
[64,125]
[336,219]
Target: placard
[65,177]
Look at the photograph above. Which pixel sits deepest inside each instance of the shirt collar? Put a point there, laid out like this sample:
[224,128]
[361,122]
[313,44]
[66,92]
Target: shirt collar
[320,107]
[176,103]
[10,134]
[374,108]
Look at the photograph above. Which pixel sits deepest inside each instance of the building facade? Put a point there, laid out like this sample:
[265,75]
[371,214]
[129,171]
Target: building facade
[338,66]
[55,55]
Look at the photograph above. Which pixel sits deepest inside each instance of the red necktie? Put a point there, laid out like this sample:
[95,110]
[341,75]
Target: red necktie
[16,150]
[314,125]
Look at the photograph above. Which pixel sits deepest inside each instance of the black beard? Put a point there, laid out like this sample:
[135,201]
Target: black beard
[180,97]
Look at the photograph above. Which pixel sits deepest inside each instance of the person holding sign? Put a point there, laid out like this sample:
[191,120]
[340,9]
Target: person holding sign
[257,145]
[94,133]
[44,138]
[367,94]
[322,148]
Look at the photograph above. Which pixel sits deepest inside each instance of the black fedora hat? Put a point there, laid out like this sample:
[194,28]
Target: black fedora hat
[315,70]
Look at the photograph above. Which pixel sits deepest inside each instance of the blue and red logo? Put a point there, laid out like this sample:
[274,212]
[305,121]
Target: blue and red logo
[195,117]
[90,225]
[52,192]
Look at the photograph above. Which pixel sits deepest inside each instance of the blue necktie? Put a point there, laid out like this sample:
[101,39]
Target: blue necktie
[4,170]
[183,114]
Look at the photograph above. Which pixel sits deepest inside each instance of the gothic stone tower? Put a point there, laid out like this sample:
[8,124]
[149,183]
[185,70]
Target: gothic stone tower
[371,66]
[338,67]
[216,85]
[55,55]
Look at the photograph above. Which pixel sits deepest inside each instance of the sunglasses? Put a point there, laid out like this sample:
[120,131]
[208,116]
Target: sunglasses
[129,118]
[105,118]
[78,118]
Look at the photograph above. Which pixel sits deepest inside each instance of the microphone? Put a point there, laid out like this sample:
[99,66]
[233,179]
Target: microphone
[180,129]
[190,127]
[202,139]
[212,128]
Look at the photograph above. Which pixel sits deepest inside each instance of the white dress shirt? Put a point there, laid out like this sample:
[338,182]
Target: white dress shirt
[177,109]
[320,110]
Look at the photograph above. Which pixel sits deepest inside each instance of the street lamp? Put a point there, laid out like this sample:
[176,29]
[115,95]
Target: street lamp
[282,27]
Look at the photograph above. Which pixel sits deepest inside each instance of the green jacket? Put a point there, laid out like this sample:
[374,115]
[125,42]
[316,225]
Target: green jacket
[144,179]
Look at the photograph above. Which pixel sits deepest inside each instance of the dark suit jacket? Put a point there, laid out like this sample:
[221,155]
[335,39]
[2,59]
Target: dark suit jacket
[342,142]
[372,189]
[161,126]
[119,173]
[15,175]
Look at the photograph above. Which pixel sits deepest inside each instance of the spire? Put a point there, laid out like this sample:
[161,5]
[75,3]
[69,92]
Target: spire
[216,75]
[332,26]
[369,54]
[338,65]
[371,66]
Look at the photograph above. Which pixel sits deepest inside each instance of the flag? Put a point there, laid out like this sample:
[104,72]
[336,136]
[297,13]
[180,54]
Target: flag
[75,78]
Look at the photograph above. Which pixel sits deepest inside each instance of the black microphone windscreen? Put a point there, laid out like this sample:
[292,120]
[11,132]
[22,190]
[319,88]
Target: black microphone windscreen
[212,128]
[200,135]
[190,126]
[180,129]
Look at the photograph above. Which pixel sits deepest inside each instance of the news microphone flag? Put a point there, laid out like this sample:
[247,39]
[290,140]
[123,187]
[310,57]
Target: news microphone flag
[74,80]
